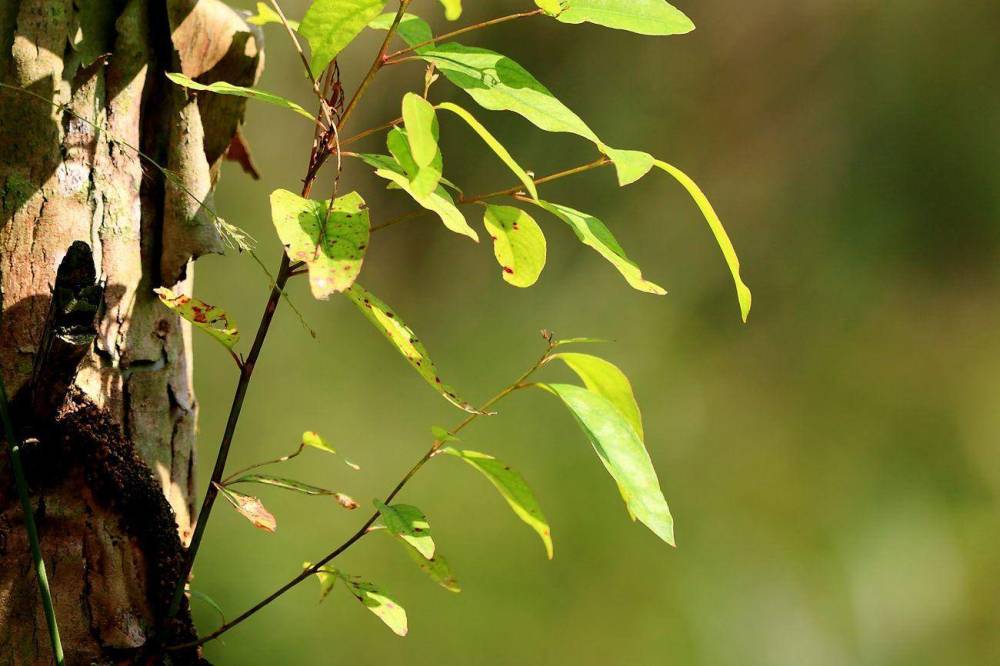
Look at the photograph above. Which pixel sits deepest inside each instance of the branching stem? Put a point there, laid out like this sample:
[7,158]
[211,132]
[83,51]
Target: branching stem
[518,384]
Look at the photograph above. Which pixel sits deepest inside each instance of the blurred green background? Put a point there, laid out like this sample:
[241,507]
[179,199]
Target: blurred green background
[832,466]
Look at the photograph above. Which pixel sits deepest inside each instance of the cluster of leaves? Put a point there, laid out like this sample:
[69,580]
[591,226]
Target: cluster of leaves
[328,240]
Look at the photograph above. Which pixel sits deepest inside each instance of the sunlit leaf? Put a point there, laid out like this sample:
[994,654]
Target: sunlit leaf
[442,434]
[494,145]
[580,341]
[594,234]
[512,487]
[412,29]
[551,7]
[405,341]
[223,88]
[624,455]
[209,318]
[330,25]
[439,201]
[606,379]
[631,165]
[452,9]
[422,160]
[266,15]
[726,245]
[312,439]
[331,241]
[518,243]
[646,17]
[409,524]
[251,508]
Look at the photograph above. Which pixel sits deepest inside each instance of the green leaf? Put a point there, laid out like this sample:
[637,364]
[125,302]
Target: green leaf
[205,317]
[728,251]
[631,165]
[405,341]
[606,379]
[518,243]
[330,25]
[223,88]
[331,241]
[267,15]
[514,489]
[442,434]
[289,484]
[409,524]
[580,341]
[438,201]
[646,17]
[437,568]
[452,9]
[551,7]
[250,508]
[620,448]
[593,233]
[422,133]
[412,29]
[496,146]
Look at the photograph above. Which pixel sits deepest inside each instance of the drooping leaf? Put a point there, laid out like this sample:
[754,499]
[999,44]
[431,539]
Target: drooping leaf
[594,234]
[442,434]
[405,341]
[512,487]
[518,243]
[209,318]
[494,145]
[439,201]
[331,241]
[437,568]
[452,9]
[330,25]
[412,29]
[266,15]
[297,486]
[212,603]
[223,88]
[376,600]
[551,7]
[250,508]
[726,245]
[606,379]
[646,17]
[624,455]
[409,524]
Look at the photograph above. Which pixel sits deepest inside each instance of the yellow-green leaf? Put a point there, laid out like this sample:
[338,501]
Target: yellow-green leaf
[223,88]
[452,9]
[330,241]
[423,161]
[496,146]
[266,15]
[209,318]
[645,17]
[728,251]
[405,341]
[518,243]
[594,234]
[550,7]
[606,379]
[409,524]
[512,487]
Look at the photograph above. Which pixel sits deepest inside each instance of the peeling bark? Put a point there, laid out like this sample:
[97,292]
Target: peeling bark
[130,399]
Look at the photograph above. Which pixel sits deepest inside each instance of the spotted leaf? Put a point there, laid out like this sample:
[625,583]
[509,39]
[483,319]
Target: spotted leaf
[208,318]
[518,243]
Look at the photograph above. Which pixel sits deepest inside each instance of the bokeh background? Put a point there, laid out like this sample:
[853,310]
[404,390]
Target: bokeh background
[832,466]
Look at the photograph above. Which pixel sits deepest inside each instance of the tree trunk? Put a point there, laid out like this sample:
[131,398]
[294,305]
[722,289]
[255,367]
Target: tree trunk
[100,371]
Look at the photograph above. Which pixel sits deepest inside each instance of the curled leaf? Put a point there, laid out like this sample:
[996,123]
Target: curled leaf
[250,508]
[208,318]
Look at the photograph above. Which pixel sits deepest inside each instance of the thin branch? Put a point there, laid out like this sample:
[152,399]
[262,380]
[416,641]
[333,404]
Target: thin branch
[305,62]
[518,384]
[391,58]
[369,132]
[29,526]
[510,191]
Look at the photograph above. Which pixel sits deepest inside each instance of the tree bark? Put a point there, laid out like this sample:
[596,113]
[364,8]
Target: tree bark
[100,371]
